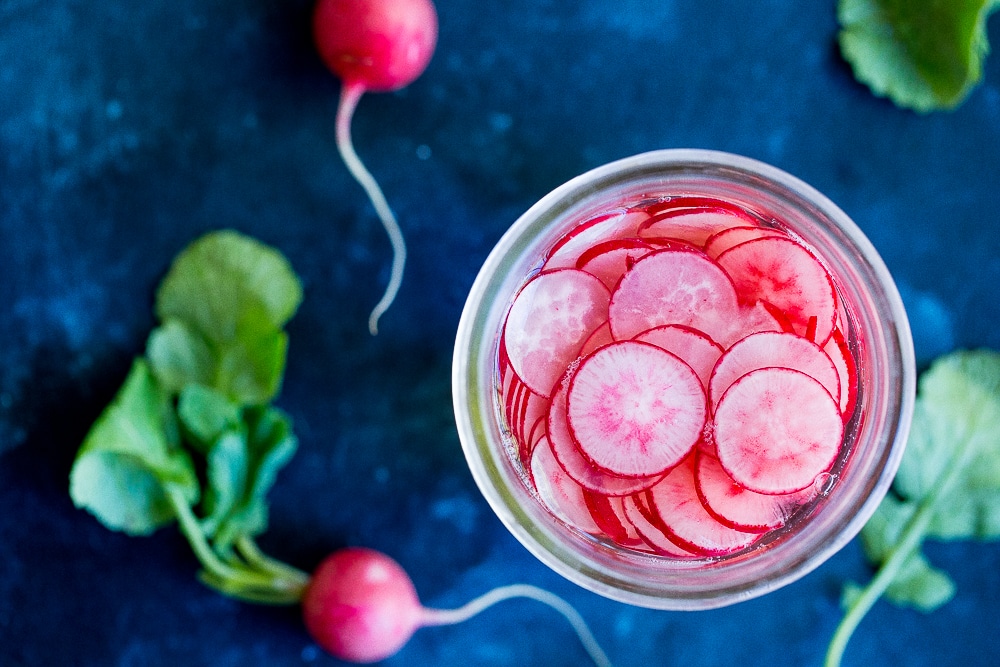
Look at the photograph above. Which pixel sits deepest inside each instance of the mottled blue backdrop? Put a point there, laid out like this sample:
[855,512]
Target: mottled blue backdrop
[127,129]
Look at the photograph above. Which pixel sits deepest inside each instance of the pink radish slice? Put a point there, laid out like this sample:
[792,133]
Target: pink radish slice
[678,510]
[693,347]
[601,337]
[634,409]
[609,260]
[558,491]
[673,287]
[776,430]
[651,534]
[693,225]
[738,507]
[549,321]
[750,320]
[616,224]
[609,515]
[772,348]
[576,464]
[725,239]
[840,354]
[786,275]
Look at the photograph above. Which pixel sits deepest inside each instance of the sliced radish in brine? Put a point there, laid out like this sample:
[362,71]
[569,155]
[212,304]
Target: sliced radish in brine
[694,347]
[558,491]
[609,515]
[694,225]
[768,349]
[776,430]
[731,237]
[634,409]
[650,533]
[786,275]
[620,223]
[678,509]
[601,337]
[609,260]
[739,507]
[549,321]
[576,464]
[673,287]
[840,353]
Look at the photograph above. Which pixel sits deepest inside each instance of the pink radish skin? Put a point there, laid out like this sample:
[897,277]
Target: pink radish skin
[777,430]
[634,409]
[560,492]
[654,536]
[616,224]
[362,607]
[374,45]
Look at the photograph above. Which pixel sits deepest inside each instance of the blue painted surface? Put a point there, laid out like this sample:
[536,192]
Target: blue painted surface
[128,129]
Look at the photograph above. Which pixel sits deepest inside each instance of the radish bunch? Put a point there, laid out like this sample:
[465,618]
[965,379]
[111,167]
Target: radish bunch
[677,376]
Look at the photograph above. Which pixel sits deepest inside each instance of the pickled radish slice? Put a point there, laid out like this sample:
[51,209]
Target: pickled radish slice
[558,491]
[650,533]
[694,348]
[608,261]
[692,225]
[770,348]
[840,354]
[549,321]
[601,337]
[620,223]
[739,507]
[776,430]
[675,503]
[634,409]
[576,465]
[673,287]
[609,515]
[786,275]
[731,237]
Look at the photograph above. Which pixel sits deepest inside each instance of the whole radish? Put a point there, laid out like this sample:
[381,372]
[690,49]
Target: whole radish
[374,45]
[361,606]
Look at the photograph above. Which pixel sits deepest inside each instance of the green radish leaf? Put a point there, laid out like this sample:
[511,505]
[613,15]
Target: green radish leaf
[922,54]
[179,357]
[228,469]
[226,284]
[249,370]
[206,415]
[129,458]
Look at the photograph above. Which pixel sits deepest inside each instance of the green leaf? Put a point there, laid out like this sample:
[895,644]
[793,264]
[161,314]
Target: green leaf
[226,284]
[922,54]
[179,357]
[250,369]
[228,469]
[206,415]
[128,459]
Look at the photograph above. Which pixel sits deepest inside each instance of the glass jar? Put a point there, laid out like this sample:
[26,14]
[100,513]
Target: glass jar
[875,436]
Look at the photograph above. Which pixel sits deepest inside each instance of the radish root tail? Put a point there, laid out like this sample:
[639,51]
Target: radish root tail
[349,96]
[467,611]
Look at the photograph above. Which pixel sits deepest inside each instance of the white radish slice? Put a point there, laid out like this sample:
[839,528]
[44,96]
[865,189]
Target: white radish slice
[620,223]
[786,275]
[576,464]
[840,353]
[609,515]
[634,409]
[675,503]
[673,287]
[723,240]
[693,219]
[609,260]
[601,337]
[739,507]
[754,319]
[651,534]
[694,347]
[773,348]
[776,430]
[558,491]
[549,321]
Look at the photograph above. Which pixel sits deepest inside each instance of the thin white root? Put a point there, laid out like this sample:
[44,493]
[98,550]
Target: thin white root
[349,96]
[467,611]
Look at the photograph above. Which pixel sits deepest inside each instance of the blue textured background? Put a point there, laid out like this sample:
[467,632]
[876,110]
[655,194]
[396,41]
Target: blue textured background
[128,129]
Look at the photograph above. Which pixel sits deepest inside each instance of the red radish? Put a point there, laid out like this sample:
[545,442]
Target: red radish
[842,358]
[634,409]
[609,514]
[673,287]
[777,430]
[694,225]
[374,45]
[362,607]
[786,275]
[693,347]
[678,511]
[609,260]
[723,240]
[601,337]
[655,536]
[558,491]
[771,348]
[741,508]
[612,225]
[551,317]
